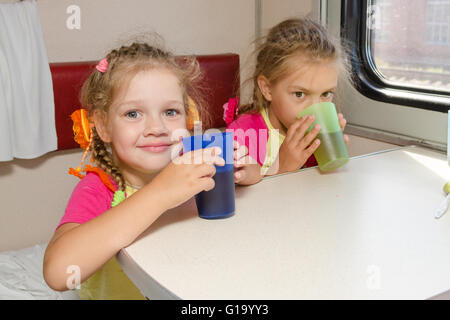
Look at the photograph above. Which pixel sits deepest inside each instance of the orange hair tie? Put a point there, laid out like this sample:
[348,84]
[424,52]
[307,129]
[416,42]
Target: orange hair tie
[82,135]
[81,128]
[192,114]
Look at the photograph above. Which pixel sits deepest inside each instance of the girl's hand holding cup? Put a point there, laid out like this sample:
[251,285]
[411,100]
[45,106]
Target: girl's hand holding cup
[298,146]
[188,175]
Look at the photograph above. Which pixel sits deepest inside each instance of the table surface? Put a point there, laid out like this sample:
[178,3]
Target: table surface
[365,231]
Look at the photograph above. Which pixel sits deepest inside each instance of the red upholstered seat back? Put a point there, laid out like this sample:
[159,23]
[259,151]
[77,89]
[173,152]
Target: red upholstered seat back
[220,79]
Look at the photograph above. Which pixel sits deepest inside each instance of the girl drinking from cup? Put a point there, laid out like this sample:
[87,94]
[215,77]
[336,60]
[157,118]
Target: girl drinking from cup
[297,65]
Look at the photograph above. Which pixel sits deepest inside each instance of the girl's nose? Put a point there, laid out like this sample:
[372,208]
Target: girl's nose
[155,126]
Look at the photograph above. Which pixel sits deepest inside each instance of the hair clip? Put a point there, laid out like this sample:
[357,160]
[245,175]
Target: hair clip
[230,110]
[102,66]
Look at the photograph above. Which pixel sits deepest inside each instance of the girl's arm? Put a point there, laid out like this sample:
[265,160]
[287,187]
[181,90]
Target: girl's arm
[90,245]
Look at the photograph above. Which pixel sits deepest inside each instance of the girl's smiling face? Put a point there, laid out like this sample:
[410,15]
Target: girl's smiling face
[310,83]
[141,122]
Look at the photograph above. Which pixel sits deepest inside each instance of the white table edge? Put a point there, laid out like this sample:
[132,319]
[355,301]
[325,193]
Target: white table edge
[146,284]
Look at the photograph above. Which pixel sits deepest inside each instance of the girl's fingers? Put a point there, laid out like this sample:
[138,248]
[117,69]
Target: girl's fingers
[346,139]
[204,170]
[211,156]
[239,164]
[200,156]
[244,161]
[293,129]
[240,152]
[342,121]
[239,176]
[206,183]
[177,149]
[310,150]
[308,138]
[301,130]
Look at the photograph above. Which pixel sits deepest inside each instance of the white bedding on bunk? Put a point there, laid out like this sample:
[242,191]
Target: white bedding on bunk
[21,276]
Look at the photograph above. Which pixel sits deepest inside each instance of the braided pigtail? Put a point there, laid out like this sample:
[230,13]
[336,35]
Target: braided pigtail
[104,160]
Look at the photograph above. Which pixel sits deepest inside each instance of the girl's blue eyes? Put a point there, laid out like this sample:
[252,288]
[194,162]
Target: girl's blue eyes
[171,112]
[136,114]
[132,114]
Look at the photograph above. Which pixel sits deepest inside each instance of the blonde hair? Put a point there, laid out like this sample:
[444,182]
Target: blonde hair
[100,89]
[292,38]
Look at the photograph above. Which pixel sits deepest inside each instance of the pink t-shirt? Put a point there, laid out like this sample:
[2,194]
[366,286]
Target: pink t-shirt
[251,130]
[89,199]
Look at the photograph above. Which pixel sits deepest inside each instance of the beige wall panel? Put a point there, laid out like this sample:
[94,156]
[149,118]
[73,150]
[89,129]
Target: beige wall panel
[188,26]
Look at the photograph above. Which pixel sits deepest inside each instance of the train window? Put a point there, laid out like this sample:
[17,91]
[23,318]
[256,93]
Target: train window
[400,50]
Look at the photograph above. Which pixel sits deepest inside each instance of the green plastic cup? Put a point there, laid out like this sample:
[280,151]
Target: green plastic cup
[332,152]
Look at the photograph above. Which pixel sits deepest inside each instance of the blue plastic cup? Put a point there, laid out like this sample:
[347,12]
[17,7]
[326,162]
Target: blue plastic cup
[218,202]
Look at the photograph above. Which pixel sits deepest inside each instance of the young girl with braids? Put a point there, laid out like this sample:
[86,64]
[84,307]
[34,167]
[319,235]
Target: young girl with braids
[297,65]
[136,100]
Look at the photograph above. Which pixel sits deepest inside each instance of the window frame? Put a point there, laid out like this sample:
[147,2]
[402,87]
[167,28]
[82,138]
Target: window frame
[365,75]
